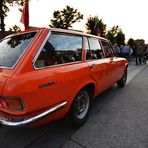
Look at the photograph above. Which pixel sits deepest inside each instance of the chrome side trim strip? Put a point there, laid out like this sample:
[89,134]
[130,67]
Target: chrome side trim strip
[33,119]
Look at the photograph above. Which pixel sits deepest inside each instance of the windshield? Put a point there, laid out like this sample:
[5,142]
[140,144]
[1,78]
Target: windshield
[12,48]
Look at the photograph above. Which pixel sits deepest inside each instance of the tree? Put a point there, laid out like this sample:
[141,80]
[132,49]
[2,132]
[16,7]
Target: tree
[90,26]
[111,37]
[140,41]
[4,8]
[65,18]
[131,42]
[116,35]
[14,29]
[120,38]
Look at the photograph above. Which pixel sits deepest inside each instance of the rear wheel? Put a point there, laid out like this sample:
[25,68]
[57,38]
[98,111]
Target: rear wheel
[122,81]
[80,108]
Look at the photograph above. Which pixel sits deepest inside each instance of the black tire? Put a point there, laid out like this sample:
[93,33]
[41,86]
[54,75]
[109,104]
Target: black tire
[122,81]
[80,108]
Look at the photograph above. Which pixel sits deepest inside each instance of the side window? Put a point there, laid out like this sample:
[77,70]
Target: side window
[60,49]
[95,51]
[107,49]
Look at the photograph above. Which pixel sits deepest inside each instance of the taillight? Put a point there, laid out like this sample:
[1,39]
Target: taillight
[12,103]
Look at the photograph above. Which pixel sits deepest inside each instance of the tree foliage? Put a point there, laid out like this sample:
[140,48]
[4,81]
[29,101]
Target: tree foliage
[116,35]
[15,29]
[131,42]
[90,26]
[140,41]
[65,18]
[4,8]
[120,38]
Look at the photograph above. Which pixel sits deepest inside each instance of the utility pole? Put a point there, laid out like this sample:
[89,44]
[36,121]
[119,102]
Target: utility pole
[2,24]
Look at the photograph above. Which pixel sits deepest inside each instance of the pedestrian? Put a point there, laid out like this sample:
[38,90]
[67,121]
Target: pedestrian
[144,54]
[126,51]
[117,50]
[138,53]
[121,46]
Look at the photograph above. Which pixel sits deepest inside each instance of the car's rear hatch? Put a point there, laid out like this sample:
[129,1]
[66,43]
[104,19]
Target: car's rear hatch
[12,49]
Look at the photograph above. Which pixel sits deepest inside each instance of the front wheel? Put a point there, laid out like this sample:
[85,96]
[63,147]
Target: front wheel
[80,108]
[122,81]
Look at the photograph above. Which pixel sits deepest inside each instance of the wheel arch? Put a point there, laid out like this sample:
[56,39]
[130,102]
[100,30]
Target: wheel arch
[90,86]
[126,66]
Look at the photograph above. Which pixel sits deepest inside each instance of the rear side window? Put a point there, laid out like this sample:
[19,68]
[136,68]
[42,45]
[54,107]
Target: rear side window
[94,50]
[12,48]
[60,49]
[107,49]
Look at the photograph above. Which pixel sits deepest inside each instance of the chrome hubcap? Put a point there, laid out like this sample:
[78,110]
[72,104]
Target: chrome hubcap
[82,104]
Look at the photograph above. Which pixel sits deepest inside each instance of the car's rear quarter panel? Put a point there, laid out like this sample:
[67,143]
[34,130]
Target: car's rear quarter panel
[69,80]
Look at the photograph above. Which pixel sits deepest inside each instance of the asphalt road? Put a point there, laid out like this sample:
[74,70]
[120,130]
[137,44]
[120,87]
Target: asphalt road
[119,119]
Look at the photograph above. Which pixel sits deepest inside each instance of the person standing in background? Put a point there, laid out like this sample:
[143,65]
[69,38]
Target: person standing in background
[126,51]
[117,50]
[138,53]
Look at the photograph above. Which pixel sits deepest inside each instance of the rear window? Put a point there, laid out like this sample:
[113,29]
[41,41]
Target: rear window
[12,48]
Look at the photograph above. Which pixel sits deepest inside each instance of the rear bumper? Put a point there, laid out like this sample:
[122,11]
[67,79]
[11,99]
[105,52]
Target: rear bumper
[33,119]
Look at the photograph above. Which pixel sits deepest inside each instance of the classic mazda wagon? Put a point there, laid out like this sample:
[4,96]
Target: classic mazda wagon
[46,74]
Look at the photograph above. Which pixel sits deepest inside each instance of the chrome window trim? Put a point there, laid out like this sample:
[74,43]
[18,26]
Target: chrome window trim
[95,60]
[40,49]
[10,68]
[56,65]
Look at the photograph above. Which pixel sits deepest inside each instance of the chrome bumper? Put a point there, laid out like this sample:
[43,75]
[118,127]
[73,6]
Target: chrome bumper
[33,119]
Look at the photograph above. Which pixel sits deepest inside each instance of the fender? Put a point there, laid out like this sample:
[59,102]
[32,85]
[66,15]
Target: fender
[81,86]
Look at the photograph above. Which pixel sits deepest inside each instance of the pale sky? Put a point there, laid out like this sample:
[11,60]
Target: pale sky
[129,15]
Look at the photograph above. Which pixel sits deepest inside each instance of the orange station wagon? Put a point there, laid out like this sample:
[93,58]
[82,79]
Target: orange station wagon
[46,74]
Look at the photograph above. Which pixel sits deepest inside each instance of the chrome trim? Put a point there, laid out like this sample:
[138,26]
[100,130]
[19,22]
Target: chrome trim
[19,33]
[57,65]
[33,119]
[10,68]
[39,51]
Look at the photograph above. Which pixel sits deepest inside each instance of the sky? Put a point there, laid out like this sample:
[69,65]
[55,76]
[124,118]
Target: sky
[129,15]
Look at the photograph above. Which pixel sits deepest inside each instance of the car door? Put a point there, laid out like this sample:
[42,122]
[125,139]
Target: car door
[111,62]
[59,68]
[97,63]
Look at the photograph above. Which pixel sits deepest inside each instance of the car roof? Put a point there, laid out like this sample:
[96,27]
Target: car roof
[74,32]
[77,32]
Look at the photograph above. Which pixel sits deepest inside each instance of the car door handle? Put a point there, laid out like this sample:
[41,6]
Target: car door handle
[47,84]
[92,66]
